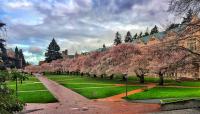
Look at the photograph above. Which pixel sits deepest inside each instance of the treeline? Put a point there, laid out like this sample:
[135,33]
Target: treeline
[130,38]
[127,58]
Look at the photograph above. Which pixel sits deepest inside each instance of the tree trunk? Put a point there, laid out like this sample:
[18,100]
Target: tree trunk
[21,81]
[111,76]
[141,77]
[161,81]
[102,76]
[95,75]
[123,78]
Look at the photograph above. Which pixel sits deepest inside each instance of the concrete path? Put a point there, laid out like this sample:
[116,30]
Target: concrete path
[73,103]
[120,96]
[183,111]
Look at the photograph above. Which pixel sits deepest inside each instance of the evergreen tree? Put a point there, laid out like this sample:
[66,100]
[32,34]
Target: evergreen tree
[16,53]
[172,26]
[154,30]
[140,35]
[128,37]
[17,64]
[135,36]
[118,39]
[53,52]
[104,47]
[188,17]
[4,56]
[21,57]
[146,33]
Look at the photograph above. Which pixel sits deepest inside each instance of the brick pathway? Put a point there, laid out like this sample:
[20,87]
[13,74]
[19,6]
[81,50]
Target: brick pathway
[73,103]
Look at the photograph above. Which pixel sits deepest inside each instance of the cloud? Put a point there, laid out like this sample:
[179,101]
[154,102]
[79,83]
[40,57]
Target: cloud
[35,50]
[19,4]
[77,25]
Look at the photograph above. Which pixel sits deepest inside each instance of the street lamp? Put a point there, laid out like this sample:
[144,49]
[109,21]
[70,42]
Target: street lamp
[126,76]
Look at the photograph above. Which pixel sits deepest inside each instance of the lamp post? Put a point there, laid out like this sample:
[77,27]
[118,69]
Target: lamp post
[126,76]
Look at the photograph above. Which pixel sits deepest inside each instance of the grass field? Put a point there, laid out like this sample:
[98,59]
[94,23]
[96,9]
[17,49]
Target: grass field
[189,83]
[92,88]
[148,79]
[32,91]
[166,92]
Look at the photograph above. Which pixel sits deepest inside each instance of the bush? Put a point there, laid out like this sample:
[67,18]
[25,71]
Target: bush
[9,103]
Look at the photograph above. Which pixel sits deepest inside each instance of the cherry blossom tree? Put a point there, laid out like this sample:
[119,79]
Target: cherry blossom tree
[119,58]
[56,66]
[166,59]
[33,69]
[139,66]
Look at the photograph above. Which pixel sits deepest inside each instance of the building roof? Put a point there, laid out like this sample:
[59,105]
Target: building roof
[159,35]
[145,39]
[10,53]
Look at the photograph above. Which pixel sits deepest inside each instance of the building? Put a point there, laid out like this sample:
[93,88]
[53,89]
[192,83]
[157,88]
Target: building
[189,40]
[8,59]
[65,53]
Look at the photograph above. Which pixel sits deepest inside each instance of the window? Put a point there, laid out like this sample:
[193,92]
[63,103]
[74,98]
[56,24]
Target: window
[192,44]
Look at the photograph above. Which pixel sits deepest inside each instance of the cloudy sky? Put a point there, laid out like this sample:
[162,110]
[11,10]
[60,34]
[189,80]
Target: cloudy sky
[77,25]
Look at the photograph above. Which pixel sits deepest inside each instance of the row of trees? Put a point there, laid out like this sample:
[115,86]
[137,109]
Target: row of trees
[20,60]
[130,38]
[160,60]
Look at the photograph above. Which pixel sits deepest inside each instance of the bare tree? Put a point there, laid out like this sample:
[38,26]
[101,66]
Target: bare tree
[182,6]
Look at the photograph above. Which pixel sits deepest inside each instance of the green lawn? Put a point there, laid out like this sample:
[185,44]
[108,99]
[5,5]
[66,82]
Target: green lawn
[149,79]
[32,91]
[189,83]
[92,88]
[166,92]
[78,79]
[95,93]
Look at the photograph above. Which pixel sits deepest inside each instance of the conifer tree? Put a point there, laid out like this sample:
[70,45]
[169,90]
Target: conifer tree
[118,39]
[104,46]
[146,32]
[128,37]
[135,36]
[53,52]
[17,64]
[154,30]
[16,53]
[140,35]
[21,56]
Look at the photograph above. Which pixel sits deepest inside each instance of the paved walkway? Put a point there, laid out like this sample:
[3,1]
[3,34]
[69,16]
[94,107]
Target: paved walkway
[183,111]
[73,103]
[120,96]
